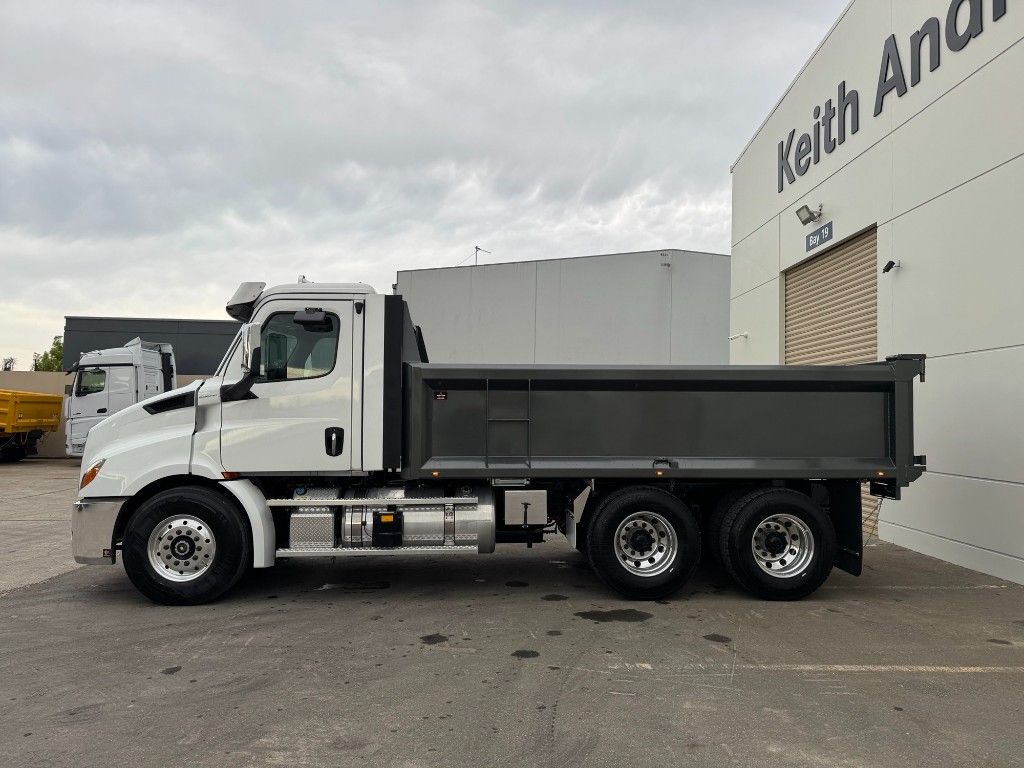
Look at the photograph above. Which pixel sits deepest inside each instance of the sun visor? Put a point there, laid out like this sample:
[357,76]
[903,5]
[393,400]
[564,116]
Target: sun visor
[240,305]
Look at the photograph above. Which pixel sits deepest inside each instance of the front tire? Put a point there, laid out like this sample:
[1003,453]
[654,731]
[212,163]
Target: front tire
[186,546]
[777,544]
[644,543]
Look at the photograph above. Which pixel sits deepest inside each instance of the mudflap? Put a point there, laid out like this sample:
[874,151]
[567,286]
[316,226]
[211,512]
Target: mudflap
[845,510]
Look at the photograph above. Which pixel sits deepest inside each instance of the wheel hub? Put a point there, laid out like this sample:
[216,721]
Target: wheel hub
[646,544]
[783,545]
[641,541]
[181,548]
[775,542]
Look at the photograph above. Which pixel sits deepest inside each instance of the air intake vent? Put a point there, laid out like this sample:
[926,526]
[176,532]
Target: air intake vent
[172,403]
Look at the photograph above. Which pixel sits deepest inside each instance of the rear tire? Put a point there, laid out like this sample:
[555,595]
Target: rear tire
[712,530]
[186,546]
[643,542]
[777,544]
[12,450]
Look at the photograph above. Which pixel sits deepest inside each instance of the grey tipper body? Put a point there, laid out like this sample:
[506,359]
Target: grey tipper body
[693,422]
[327,432]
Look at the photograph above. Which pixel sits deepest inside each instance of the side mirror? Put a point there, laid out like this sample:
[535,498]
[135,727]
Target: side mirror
[250,344]
[242,389]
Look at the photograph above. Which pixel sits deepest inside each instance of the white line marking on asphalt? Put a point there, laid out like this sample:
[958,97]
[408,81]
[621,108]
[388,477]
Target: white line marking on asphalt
[912,668]
[917,587]
[632,665]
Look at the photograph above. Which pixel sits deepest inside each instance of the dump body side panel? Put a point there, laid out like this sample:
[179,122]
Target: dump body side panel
[728,422]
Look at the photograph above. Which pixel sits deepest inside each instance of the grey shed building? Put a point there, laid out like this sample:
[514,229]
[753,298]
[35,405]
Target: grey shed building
[643,308]
[198,345]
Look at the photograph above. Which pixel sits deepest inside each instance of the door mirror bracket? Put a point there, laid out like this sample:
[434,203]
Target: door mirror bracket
[242,389]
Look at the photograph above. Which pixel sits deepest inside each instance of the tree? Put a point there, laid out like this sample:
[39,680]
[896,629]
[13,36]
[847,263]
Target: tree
[52,359]
[8,364]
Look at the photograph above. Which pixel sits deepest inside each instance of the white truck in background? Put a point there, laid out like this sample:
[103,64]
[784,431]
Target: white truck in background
[109,380]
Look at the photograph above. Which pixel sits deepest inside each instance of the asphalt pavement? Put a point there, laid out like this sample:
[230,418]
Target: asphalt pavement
[517,658]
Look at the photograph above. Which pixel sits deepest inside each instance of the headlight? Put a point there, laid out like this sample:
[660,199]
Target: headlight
[90,473]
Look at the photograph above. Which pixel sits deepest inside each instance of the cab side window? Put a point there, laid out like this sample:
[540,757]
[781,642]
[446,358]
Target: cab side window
[292,350]
[91,382]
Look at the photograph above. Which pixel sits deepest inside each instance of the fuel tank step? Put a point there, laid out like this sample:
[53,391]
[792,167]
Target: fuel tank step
[377,551]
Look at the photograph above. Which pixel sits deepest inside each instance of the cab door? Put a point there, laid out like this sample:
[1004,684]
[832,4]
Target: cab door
[298,417]
[89,404]
[120,387]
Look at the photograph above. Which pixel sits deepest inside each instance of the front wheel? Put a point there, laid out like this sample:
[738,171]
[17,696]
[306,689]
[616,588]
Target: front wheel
[777,544]
[644,543]
[186,546]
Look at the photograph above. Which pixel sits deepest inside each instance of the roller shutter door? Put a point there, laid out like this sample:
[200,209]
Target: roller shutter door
[831,317]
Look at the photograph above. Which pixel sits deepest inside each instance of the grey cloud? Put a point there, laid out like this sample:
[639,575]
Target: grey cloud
[189,145]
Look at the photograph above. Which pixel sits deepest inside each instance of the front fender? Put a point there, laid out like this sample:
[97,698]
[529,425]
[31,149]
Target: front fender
[260,520]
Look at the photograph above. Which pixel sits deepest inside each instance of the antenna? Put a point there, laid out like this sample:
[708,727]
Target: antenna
[477,250]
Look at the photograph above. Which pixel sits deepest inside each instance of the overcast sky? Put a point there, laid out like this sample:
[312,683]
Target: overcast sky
[155,154]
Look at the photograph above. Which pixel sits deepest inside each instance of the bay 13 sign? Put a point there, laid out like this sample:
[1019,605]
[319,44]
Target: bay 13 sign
[964,20]
[821,235]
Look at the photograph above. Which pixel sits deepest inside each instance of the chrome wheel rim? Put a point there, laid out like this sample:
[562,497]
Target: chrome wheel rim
[181,548]
[646,544]
[783,546]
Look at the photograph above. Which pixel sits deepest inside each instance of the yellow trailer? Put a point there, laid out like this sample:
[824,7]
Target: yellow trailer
[24,418]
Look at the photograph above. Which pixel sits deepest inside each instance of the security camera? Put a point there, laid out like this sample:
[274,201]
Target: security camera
[890,266]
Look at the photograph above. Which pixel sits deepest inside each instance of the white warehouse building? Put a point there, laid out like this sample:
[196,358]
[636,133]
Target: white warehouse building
[642,308]
[906,127]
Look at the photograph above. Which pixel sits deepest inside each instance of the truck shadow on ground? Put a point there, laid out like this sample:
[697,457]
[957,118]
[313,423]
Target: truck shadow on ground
[505,578]
[551,577]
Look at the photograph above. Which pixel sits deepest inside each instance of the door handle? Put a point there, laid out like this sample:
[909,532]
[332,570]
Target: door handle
[334,441]
[101,410]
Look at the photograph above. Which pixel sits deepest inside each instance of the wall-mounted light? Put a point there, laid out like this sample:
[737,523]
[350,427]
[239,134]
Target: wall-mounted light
[808,216]
[890,266]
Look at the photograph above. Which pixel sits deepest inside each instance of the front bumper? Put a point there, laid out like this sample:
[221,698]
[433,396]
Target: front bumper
[92,530]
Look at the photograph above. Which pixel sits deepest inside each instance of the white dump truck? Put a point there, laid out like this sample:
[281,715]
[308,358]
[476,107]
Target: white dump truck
[109,380]
[327,433]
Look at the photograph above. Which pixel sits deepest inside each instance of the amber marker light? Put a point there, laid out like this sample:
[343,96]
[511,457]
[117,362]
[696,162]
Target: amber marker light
[435,474]
[91,472]
[230,475]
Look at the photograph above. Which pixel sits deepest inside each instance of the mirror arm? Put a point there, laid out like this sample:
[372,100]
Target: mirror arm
[242,389]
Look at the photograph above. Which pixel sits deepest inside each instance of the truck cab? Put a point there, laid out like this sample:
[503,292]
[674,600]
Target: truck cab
[109,380]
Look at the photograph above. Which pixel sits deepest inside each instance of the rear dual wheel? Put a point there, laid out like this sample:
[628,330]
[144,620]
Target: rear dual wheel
[12,450]
[777,544]
[643,542]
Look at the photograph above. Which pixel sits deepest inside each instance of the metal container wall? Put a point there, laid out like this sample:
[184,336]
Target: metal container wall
[834,422]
